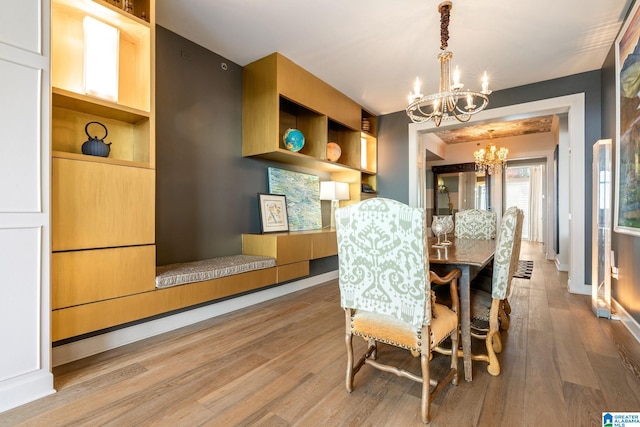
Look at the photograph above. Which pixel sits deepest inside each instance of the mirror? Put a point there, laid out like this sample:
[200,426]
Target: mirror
[458,187]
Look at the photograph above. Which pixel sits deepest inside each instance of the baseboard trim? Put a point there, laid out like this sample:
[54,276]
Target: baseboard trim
[25,388]
[560,266]
[110,340]
[627,320]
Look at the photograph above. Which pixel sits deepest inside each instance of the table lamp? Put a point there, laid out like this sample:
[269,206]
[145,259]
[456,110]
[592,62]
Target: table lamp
[334,191]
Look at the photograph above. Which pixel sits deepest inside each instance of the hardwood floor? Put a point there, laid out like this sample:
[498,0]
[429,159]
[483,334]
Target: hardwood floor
[282,363]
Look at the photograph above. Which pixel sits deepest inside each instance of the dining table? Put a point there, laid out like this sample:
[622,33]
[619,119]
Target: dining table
[470,256]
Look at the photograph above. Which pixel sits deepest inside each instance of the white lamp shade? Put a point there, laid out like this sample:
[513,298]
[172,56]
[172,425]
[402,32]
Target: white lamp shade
[333,190]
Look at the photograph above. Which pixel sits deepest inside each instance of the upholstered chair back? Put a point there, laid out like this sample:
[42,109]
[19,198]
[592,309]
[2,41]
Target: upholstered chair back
[505,261]
[383,260]
[475,224]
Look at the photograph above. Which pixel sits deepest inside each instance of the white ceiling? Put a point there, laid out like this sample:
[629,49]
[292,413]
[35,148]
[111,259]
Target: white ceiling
[372,50]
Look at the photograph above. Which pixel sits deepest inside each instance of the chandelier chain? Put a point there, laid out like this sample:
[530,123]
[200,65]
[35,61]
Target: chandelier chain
[445,13]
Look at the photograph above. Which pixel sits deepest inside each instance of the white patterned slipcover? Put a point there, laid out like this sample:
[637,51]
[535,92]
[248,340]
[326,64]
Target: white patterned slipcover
[505,261]
[395,281]
[475,224]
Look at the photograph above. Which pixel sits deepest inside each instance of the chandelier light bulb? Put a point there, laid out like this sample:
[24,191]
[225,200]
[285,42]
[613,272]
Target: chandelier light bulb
[485,84]
[491,159]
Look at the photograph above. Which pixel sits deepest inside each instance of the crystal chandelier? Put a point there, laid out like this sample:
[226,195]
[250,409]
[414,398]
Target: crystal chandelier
[451,101]
[491,159]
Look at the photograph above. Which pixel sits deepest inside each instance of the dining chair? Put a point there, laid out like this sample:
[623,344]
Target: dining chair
[488,315]
[475,224]
[385,290]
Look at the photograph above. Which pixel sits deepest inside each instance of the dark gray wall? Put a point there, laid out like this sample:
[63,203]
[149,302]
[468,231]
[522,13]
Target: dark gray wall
[393,156]
[626,290]
[393,179]
[206,192]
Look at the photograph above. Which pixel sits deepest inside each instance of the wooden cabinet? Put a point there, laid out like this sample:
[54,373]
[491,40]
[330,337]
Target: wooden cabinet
[96,205]
[292,250]
[278,95]
[103,208]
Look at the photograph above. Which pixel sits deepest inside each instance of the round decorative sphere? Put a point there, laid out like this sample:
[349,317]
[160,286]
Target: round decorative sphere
[333,152]
[293,140]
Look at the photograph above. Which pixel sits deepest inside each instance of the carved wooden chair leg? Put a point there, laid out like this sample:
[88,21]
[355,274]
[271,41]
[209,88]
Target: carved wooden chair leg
[504,319]
[507,306]
[349,341]
[374,353]
[454,359]
[425,409]
[494,365]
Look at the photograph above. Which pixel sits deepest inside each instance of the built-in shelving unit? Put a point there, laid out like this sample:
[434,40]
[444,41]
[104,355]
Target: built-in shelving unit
[103,208]
[278,95]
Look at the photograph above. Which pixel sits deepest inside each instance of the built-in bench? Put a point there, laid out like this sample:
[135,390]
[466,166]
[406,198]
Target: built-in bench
[267,260]
[209,269]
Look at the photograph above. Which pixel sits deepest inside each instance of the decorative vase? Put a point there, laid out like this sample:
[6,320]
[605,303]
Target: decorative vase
[293,140]
[333,152]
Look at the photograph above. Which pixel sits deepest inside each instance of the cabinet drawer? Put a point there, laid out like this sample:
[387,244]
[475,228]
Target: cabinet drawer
[285,248]
[96,205]
[293,248]
[324,244]
[293,271]
[80,277]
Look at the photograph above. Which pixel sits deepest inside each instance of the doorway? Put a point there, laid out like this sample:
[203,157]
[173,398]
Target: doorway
[571,206]
[524,187]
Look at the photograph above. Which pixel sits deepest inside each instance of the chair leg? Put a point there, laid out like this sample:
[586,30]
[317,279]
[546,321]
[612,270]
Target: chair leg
[425,408]
[494,365]
[507,306]
[504,320]
[454,356]
[349,380]
[497,342]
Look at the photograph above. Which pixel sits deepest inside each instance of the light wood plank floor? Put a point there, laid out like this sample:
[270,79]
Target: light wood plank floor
[282,363]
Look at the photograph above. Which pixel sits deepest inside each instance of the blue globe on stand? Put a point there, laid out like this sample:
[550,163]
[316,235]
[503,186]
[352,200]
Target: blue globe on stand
[293,140]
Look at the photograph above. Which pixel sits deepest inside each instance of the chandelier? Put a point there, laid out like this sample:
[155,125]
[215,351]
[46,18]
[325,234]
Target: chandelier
[451,101]
[491,159]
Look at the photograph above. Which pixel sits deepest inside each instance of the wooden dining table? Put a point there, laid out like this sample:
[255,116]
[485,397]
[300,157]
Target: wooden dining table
[470,256]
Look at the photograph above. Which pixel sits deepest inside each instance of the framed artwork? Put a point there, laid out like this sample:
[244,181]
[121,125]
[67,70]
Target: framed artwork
[303,197]
[273,212]
[627,188]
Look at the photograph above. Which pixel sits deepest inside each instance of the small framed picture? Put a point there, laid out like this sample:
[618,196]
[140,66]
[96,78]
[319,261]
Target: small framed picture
[273,212]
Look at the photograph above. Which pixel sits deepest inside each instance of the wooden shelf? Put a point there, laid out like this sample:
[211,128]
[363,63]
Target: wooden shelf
[109,13]
[135,50]
[289,97]
[291,158]
[74,101]
[97,159]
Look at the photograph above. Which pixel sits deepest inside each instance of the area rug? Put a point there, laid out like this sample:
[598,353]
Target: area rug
[525,268]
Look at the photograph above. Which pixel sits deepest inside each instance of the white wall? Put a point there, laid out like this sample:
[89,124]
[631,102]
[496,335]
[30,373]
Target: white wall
[25,358]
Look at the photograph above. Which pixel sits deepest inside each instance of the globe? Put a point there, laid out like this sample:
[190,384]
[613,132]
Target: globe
[333,151]
[293,140]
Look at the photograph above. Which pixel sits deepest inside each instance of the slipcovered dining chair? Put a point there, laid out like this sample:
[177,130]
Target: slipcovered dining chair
[384,282]
[488,314]
[475,224]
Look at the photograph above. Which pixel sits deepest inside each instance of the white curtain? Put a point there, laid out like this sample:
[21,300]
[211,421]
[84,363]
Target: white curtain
[536,202]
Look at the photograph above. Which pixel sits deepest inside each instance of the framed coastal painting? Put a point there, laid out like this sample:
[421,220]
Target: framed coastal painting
[303,197]
[273,212]
[627,188]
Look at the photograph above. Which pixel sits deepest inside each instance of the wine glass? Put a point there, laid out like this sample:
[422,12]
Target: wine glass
[448,228]
[438,227]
